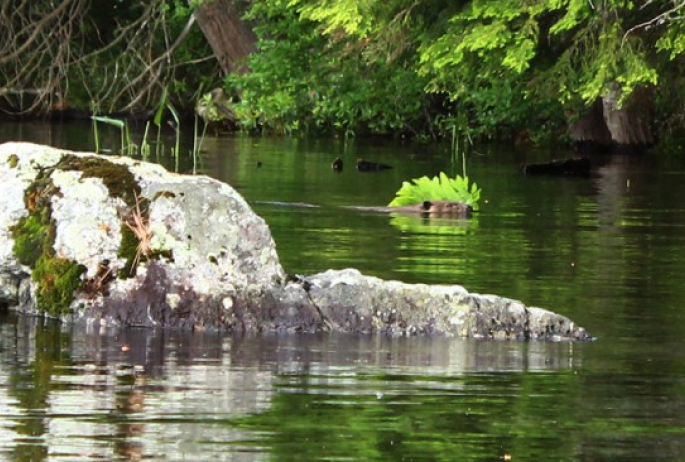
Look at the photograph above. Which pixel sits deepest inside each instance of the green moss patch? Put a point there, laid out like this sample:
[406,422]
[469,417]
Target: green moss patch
[13,160]
[128,250]
[34,236]
[31,235]
[58,279]
[117,178]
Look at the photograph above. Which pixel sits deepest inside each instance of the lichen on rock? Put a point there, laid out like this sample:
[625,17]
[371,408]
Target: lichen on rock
[71,237]
[88,219]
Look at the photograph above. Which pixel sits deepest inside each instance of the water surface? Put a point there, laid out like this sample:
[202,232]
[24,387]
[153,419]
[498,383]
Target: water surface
[607,251]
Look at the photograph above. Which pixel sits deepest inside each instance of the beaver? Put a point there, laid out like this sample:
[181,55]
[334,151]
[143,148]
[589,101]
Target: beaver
[446,208]
[426,209]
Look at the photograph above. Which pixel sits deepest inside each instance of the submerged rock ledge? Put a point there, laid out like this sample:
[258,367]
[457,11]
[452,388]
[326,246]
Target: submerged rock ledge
[115,241]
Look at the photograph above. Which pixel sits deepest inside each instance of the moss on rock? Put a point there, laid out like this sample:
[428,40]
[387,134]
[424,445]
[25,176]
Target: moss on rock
[117,178]
[128,250]
[31,235]
[13,160]
[165,194]
[34,237]
[58,279]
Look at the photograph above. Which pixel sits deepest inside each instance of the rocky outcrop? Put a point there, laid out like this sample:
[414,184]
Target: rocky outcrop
[347,301]
[69,221]
[114,241]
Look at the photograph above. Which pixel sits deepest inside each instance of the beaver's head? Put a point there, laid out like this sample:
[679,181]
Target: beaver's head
[446,208]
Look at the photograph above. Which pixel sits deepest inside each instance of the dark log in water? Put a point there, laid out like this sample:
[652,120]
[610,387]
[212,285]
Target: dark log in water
[579,166]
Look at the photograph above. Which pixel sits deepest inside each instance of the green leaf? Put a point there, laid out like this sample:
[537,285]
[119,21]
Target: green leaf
[109,121]
[440,187]
[577,11]
[353,16]
[160,109]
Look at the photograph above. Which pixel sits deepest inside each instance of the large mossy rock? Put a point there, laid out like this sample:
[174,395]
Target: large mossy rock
[63,221]
[114,241]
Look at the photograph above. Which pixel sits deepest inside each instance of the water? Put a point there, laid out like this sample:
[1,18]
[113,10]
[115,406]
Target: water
[606,251]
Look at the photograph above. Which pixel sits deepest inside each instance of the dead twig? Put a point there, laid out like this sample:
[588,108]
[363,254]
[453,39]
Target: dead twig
[140,227]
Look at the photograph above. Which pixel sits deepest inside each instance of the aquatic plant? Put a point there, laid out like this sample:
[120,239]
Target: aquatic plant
[127,146]
[144,144]
[438,188]
[197,144]
[165,104]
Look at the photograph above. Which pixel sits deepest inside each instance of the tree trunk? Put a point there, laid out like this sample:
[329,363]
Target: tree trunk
[629,124]
[589,127]
[605,123]
[230,38]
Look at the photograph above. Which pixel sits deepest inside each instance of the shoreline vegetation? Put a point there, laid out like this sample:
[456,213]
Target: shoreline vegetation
[594,75]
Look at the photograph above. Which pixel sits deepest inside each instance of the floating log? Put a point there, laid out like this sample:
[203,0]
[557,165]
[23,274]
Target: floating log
[366,166]
[579,166]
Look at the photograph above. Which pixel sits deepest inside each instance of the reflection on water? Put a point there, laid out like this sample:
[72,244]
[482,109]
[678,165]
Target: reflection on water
[67,391]
[607,251]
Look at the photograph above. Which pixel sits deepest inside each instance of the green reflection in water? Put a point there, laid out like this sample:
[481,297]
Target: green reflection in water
[343,397]
[30,382]
[482,417]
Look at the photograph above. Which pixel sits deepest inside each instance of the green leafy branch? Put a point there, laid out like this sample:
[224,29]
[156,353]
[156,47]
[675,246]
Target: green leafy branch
[438,188]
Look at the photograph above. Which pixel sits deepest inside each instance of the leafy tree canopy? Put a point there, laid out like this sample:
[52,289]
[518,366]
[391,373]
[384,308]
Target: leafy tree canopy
[410,67]
[504,65]
[302,79]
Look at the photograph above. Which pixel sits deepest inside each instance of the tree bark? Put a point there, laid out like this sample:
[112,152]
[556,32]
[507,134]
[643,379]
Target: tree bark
[589,127]
[629,124]
[231,39]
[605,123]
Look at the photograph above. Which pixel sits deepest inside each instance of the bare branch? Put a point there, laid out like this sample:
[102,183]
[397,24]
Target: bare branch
[657,20]
[38,29]
[52,47]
